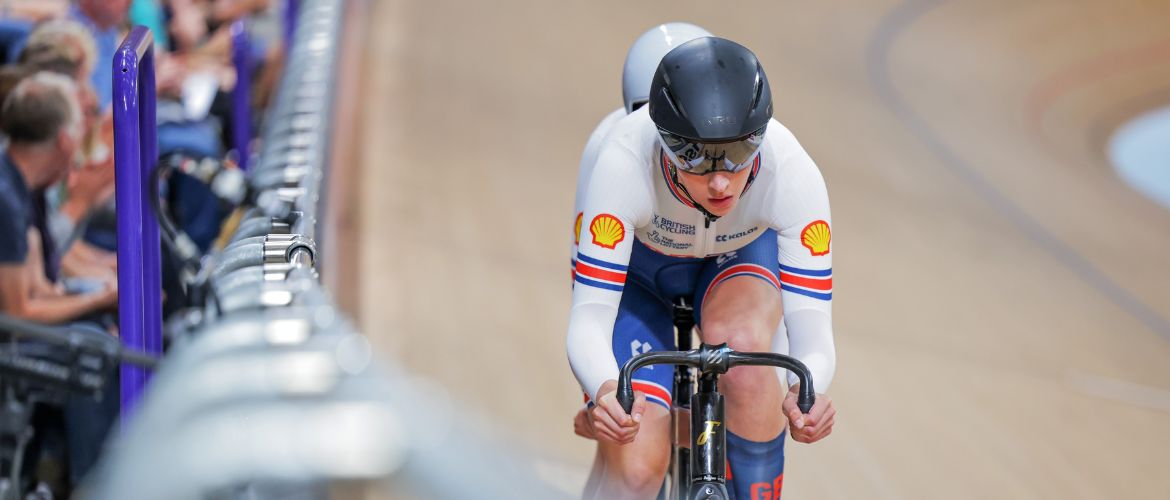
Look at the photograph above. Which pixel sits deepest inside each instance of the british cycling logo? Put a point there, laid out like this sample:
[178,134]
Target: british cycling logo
[724,258]
[666,241]
[607,231]
[672,227]
[815,237]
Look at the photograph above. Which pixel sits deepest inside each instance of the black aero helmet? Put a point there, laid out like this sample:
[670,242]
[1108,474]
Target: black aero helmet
[706,92]
[710,89]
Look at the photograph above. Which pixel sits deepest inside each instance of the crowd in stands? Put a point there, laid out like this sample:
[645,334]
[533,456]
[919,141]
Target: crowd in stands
[57,217]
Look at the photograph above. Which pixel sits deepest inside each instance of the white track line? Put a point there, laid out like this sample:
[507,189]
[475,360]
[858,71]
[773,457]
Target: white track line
[1120,390]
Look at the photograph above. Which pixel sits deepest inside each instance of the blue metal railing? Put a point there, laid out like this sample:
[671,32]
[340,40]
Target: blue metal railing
[139,259]
[242,95]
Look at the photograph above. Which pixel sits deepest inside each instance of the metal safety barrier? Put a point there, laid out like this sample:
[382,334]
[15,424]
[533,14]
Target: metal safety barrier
[139,258]
[269,389]
[242,95]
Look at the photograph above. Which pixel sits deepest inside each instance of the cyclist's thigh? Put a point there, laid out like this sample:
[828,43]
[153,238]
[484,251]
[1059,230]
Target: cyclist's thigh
[743,283]
[650,449]
[643,325]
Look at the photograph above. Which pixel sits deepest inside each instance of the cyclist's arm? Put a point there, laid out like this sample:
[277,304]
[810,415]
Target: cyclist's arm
[618,199]
[584,171]
[802,222]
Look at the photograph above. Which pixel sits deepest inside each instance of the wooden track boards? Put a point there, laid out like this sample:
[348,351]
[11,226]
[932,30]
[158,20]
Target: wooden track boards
[1002,301]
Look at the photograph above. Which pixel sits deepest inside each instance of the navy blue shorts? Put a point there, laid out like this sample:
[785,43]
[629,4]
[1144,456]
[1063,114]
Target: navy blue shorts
[654,281]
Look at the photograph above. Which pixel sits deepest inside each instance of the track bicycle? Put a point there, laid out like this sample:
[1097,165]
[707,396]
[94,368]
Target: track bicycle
[698,459]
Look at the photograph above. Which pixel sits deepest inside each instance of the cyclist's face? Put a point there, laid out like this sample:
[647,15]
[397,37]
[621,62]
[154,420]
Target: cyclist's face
[718,191]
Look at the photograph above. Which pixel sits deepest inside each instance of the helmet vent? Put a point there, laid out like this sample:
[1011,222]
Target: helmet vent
[758,91]
[674,104]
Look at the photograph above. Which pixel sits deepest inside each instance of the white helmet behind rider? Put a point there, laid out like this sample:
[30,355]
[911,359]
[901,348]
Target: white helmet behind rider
[645,54]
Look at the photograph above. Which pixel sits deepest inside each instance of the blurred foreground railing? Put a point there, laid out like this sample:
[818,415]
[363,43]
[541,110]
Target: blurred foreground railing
[139,258]
[268,391]
[242,95]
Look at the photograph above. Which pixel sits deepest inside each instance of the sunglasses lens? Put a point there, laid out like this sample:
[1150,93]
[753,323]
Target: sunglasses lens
[702,158]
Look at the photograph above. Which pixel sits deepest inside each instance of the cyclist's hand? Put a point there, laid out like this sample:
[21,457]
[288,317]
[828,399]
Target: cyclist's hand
[610,421]
[814,426]
[582,426]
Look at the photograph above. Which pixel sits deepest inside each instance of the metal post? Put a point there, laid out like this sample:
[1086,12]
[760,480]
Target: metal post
[291,12]
[139,258]
[242,95]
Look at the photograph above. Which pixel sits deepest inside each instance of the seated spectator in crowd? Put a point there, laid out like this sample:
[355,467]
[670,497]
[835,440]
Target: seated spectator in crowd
[64,46]
[105,20]
[178,129]
[10,75]
[43,124]
[83,47]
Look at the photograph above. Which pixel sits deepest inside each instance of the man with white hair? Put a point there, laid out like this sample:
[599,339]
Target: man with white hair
[42,122]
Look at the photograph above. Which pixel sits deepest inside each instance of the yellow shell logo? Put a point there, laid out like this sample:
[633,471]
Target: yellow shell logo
[815,237]
[607,231]
[577,229]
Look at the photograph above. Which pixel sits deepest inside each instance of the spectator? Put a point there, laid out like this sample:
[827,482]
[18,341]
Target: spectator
[63,38]
[43,124]
[10,75]
[64,46]
[104,19]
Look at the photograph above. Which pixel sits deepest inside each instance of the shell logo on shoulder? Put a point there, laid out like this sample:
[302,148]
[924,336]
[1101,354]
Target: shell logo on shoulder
[607,231]
[577,228]
[815,237]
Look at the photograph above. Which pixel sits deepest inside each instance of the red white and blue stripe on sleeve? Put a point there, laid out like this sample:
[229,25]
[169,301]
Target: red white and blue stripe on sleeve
[599,273]
[815,283]
[655,393]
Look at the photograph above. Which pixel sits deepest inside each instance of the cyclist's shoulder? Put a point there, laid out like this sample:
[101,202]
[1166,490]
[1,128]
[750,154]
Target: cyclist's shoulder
[610,119]
[604,127]
[785,158]
[791,180]
[593,145]
[780,142]
[635,132]
[629,145]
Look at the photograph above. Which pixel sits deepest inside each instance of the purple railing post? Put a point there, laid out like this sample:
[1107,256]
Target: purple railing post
[242,95]
[139,258]
[292,9]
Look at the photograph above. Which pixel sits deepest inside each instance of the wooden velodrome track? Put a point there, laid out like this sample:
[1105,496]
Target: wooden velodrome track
[1002,305]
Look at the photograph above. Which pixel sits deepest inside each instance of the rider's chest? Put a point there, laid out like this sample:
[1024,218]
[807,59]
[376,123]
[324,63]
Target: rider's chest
[685,232]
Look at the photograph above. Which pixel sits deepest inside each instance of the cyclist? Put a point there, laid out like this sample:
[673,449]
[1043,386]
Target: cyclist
[704,180]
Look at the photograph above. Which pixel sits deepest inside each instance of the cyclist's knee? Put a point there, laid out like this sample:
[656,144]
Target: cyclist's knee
[643,475]
[741,334]
[748,381]
[637,469]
